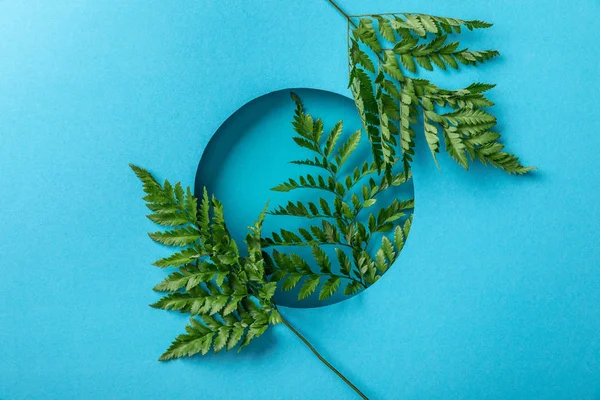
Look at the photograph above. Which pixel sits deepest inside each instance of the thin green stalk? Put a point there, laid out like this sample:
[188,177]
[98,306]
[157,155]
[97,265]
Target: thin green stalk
[377,15]
[339,9]
[323,360]
[349,222]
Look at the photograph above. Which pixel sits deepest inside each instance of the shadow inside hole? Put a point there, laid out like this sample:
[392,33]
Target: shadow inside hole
[251,152]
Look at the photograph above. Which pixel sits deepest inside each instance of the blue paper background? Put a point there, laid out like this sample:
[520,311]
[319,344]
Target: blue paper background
[496,295]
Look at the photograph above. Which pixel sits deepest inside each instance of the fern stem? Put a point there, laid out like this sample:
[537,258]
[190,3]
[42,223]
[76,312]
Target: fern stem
[304,244]
[342,12]
[302,216]
[376,15]
[323,360]
[348,277]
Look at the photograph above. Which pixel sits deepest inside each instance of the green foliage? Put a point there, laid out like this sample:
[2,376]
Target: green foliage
[227,296]
[339,215]
[390,102]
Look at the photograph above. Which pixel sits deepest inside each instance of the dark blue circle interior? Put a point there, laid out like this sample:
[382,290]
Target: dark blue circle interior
[251,153]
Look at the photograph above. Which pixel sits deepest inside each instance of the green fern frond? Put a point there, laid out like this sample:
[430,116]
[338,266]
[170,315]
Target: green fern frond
[317,162]
[340,224]
[170,206]
[359,57]
[419,40]
[347,148]
[185,256]
[366,33]
[332,139]
[327,233]
[177,237]
[421,24]
[197,339]
[437,52]
[300,209]
[330,287]
[309,286]
[187,276]
[353,288]
[231,295]
[310,182]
